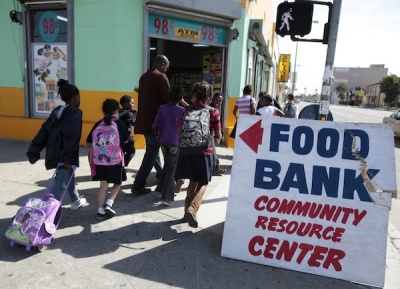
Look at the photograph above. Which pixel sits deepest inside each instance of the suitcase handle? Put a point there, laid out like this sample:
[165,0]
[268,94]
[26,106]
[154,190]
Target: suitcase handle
[47,192]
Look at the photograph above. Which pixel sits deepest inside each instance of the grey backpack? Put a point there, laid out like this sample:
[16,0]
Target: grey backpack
[289,110]
[195,135]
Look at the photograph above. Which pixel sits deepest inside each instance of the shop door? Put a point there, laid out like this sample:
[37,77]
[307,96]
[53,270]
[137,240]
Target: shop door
[196,51]
[47,55]
[191,63]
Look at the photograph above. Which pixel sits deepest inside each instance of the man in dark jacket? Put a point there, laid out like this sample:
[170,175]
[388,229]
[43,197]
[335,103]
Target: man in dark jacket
[61,134]
[153,91]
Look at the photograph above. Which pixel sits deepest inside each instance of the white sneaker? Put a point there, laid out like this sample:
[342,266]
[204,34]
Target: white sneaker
[77,204]
[109,211]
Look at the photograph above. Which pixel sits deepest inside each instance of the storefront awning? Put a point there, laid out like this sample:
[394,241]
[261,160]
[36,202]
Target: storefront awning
[42,1]
[228,10]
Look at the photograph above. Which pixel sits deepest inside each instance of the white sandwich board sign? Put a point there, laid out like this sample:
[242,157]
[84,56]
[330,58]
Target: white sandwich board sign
[311,196]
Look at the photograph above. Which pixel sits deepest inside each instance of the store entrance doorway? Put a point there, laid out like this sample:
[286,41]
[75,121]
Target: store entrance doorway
[191,63]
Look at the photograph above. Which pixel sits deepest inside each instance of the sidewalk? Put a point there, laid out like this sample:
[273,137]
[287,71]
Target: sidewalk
[144,246]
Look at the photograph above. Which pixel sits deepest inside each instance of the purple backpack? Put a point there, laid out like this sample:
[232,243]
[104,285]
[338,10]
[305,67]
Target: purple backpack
[36,221]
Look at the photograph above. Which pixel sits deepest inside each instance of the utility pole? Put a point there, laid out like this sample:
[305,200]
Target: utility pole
[330,57]
[294,70]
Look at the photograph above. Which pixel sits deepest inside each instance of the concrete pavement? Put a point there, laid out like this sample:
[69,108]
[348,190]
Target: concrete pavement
[144,246]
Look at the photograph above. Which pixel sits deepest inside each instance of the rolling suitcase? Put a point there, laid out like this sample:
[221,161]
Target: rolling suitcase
[36,221]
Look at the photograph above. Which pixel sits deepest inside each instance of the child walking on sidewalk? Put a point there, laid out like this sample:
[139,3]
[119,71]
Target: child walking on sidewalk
[106,139]
[128,115]
[198,166]
[60,134]
[165,128]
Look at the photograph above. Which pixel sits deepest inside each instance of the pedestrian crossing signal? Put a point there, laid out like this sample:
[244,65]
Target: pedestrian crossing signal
[294,18]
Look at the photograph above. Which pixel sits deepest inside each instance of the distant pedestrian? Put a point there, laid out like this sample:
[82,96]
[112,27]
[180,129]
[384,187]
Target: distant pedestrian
[246,104]
[153,91]
[275,103]
[198,167]
[61,134]
[265,107]
[165,128]
[128,115]
[106,139]
[216,102]
[290,109]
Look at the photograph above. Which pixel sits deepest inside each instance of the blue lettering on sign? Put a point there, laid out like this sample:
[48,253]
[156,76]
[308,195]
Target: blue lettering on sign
[328,135]
[302,139]
[267,177]
[349,136]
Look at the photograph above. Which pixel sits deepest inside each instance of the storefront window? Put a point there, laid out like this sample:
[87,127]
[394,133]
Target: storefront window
[48,52]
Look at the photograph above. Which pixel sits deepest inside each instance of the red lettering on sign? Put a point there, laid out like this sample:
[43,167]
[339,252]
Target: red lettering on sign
[162,24]
[303,252]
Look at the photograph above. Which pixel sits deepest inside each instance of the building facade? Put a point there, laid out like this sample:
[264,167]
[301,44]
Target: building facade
[373,96]
[357,79]
[104,46]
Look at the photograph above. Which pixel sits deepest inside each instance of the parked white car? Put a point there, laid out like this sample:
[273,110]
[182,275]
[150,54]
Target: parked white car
[394,121]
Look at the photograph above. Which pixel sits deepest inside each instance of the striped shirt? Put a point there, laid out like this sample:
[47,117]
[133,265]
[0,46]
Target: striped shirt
[243,103]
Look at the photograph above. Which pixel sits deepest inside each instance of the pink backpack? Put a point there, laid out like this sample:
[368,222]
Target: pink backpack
[106,148]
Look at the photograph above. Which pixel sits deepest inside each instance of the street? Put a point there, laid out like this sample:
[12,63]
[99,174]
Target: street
[344,113]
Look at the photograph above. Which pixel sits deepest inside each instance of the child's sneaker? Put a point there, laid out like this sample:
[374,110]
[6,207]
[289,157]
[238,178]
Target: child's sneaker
[109,211]
[167,203]
[100,216]
[78,203]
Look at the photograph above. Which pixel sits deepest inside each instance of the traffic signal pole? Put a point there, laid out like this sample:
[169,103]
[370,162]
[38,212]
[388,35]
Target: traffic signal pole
[330,57]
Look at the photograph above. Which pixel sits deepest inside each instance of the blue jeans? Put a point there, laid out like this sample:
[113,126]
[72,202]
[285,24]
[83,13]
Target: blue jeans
[60,181]
[149,160]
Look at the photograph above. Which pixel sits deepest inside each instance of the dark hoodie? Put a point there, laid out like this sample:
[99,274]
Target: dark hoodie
[60,134]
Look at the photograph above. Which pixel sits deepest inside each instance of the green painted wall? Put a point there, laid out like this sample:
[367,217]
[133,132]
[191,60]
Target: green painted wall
[238,57]
[11,47]
[108,44]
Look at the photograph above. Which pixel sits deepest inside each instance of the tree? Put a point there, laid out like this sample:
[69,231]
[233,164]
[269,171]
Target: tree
[390,85]
[342,89]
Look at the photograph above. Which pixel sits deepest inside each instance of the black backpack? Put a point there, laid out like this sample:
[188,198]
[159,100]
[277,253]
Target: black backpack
[289,110]
[195,135]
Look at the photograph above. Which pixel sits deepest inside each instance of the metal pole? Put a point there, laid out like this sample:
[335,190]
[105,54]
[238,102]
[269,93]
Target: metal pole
[330,56]
[294,69]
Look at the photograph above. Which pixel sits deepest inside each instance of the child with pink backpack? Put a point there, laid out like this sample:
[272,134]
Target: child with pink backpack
[107,157]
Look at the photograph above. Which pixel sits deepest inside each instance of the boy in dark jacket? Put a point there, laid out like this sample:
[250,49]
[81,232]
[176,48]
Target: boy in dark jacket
[128,115]
[60,134]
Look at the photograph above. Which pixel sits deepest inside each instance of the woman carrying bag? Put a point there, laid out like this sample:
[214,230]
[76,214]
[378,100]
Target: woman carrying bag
[246,104]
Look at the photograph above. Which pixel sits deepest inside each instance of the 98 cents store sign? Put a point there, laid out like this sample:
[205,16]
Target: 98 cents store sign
[173,28]
[49,26]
